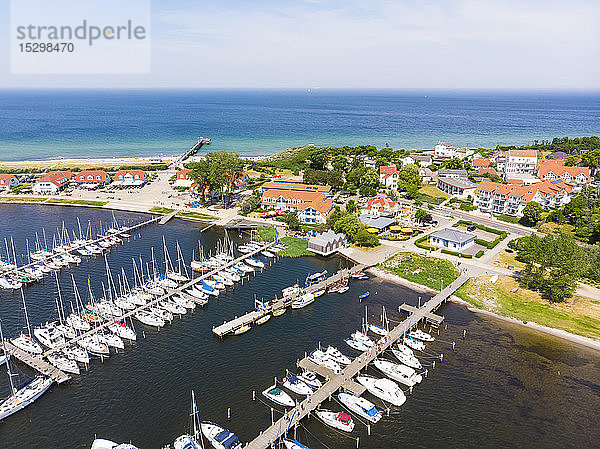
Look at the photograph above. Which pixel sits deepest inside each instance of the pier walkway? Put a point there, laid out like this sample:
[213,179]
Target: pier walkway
[338,382]
[193,150]
[164,219]
[36,363]
[229,327]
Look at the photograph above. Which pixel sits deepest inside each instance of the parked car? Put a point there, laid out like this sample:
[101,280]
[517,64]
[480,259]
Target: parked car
[471,228]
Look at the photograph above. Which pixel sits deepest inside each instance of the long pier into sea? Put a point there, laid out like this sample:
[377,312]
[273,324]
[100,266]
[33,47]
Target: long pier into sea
[336,382]
[194,149]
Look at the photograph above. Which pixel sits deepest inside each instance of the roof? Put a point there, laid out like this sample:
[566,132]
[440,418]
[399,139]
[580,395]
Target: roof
[314,199]
[5,179]
[296,186]
[378,223]
[457,182]
[523,153]
[447,171]
[184,171]
[141,173]
[480,162]
[556,167]
[326,237]
[483,170]
[57,178]
[421,157]
[526,193]
[380,202]
[387,170]
[94,173]
[453,235]
[560,155]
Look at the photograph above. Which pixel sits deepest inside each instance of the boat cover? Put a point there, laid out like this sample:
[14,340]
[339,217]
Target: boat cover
[372,412]
[293,379]
[228,439]
[302,446]
[275,391]
[205,286]
[344,418]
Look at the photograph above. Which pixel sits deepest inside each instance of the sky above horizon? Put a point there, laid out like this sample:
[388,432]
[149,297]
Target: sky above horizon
[505,44]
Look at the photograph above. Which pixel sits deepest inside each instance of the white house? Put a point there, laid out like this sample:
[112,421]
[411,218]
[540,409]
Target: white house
[327,243]
[376,207]
[444,150]
[452,239]
[130,177]
[520,162]
[52,182]
[388,176]
[8,181]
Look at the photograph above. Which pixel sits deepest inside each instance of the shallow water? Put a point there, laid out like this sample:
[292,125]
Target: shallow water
[503,386]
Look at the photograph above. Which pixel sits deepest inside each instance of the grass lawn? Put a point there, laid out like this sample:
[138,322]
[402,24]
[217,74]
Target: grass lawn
[266,233]
[582,318]
[434,192]
[295,247]
[198,215]
[508,218]
[504,260]
[555,228]
[161,210]
[428,271]
[13,199]
[80,202]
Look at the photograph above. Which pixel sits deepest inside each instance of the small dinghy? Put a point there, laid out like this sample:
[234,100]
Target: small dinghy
[218,437]
[310,379]
[384,389]
[343,289]
[278,396]
[336,355]
[363,295]
[418,334]
[263,320]
[399,373]
[297,385]
[241,330]
[361,407]
[337,420]
[279,312]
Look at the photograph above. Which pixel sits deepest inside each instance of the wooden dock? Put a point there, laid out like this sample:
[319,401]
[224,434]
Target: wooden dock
[338,382]
[165,218]
[430,318]
[36,363]
[229,327]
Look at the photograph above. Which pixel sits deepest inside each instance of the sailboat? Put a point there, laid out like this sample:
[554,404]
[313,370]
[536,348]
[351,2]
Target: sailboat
[20,397]
[191,441]
[179,275]
[26,342]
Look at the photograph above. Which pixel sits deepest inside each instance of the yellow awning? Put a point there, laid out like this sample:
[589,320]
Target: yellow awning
[373,230]
[395,228]
[407,230]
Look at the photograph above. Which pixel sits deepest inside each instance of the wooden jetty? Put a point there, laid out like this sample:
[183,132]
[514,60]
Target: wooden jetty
[430,318]
[36,363]
[229,327]
[194,149]
[337,382]
[165,218]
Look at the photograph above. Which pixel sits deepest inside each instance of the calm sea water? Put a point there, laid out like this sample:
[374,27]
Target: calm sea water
[44,124]
[504,386]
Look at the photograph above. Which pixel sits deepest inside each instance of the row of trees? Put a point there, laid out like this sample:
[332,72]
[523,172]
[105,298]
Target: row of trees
[583,213]
[577,145]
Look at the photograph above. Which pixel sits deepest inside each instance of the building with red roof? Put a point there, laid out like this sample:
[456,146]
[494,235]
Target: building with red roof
[519,162]
[130,177]
[480,162]
[388,176]
[52,182]
[551,169]
[312,203]
[92,177]
[377,207]
[8,181]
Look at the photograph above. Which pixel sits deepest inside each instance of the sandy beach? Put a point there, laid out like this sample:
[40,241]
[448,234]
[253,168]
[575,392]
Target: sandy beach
[83,163]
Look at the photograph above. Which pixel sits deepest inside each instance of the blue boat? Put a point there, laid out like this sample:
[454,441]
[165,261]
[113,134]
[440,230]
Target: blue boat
[363,295]
[315,278]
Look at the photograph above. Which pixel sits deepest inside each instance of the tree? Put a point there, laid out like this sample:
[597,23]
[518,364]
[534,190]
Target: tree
[217,171]
[291,219]
[317,161]
[365,238]
[420,215]
[454,164]
[571,161]
[201,175]
[591,159]
[531,214]
[250,202]
[351,206]
[348,224]
[339,162]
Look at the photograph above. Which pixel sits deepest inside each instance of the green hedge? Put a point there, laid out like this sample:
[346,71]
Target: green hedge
[479,253]
[419,243]
[457,254]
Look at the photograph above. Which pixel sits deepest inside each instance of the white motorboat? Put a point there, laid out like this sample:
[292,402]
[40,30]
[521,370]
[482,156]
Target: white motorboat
[163,314]
[71,258]
[385,389]
[414,344]
[343,289]
[310,379]
[418,334]
[243,267]
[297,385]
[49,336]
[379,330]
[254,262]
[320,358]
[186,442]
[76,353]
[183,302]
[94,346]
[78,323]
[267,253]
[303,301]
[289,291]
[336,355]
[337,420]
[363,338]
[22,396]
[111,340]
[231,274]
[397,372]
[407,359]
[170,306]
[63,363]
[277,395]
[27,344]
[100,443]
[294,445]
[119,328]
[361,407]
[220,438]
[196,293]
[355,344]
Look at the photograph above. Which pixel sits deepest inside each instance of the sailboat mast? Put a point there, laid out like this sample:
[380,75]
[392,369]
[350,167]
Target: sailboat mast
[26,316]
[12,386]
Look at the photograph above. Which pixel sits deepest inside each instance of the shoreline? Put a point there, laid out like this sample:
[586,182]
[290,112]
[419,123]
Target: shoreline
[573,338]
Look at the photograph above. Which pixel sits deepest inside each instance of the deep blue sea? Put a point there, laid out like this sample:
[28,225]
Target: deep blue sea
[43,124]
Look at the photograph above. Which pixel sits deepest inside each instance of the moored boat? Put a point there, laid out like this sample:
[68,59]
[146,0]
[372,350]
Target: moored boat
[218,437]
[337,420]
[277,395]
[384,389]
[361,407]
[297,385]
[397,372]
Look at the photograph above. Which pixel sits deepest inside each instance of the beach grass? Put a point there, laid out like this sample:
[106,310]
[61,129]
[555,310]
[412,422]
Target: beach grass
[77,202]
[161,210]
[197,215]
[18,199]
[579,316]
[295,247]
[428,271]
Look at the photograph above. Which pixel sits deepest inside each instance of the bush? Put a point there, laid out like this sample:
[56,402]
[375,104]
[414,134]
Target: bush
[452,253]
[365,238]
[479,253]
[419,243]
